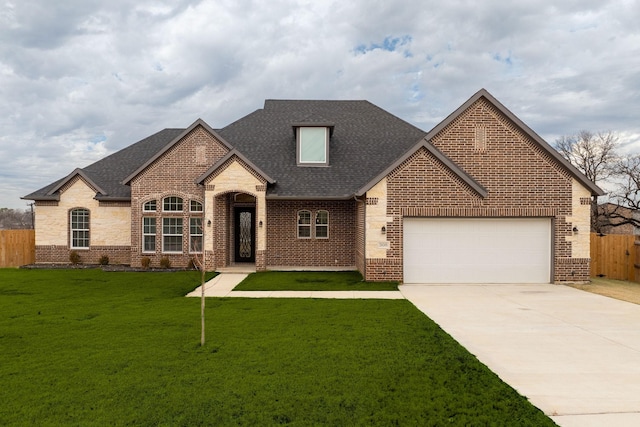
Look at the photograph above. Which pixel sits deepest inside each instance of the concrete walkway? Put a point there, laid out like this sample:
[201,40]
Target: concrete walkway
[574,354]
[222,286]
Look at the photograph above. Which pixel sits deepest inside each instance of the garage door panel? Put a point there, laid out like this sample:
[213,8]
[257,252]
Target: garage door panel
[478,250]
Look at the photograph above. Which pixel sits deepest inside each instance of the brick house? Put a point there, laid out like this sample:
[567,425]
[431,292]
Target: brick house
[479,198]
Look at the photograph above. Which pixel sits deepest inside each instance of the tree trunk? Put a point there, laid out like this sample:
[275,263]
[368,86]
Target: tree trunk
[202,300]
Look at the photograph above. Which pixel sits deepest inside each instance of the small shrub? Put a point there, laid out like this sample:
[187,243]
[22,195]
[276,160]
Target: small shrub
[165,262]
[104,260]
[74,257]
[146,262]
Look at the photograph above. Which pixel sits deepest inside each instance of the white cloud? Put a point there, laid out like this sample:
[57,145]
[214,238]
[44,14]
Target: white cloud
[79,71]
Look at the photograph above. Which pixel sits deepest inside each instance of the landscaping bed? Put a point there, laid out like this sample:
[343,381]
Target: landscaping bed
[86,347]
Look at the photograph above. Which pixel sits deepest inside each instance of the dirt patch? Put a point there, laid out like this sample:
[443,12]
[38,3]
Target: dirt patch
[618,289]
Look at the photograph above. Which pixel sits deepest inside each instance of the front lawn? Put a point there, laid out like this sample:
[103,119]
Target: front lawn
[311,281]
[86,347]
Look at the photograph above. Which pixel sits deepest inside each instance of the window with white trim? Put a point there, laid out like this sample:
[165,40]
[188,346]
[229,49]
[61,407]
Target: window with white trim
[304,224]
[172,204]
[79,228]
[150,206]
[195,206]
[322,225]
[148,234]
[195,235]
[313,143]
[172,235]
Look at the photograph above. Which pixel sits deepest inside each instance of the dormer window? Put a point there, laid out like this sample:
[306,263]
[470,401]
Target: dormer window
[313,145]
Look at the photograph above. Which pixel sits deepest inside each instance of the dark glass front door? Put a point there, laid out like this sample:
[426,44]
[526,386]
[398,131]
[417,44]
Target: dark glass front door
[245,234]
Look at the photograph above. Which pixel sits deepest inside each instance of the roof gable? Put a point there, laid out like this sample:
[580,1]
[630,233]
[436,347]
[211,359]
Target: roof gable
[82,174]
[466,178]
[172,143]
[483,93]
[223,163]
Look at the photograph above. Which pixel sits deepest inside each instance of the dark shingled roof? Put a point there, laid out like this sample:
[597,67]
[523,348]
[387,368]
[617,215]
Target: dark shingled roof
[365,140]
[109,172]
[366,143]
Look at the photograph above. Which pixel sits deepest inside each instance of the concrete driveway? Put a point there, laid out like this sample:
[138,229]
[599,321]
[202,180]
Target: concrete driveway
[575,355]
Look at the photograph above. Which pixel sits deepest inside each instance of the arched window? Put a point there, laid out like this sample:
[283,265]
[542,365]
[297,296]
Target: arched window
[322,225]
[172,204]
[150,206]
[79,228]
[304,224]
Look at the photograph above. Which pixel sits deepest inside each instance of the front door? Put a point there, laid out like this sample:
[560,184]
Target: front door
[245,234]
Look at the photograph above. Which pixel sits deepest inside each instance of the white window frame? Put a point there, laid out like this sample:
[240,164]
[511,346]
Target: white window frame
[321,225]
[147,206]
[300,224]
[199,233]
[87,230]
[179,223]
[197,205]
[171,204]
[302,146]
[146,233]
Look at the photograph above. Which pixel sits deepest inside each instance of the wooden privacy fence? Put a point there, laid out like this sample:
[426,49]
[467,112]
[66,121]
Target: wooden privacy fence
[17,247]
[615,256]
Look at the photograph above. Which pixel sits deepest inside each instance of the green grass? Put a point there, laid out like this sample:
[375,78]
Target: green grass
[311,281]
[86,347]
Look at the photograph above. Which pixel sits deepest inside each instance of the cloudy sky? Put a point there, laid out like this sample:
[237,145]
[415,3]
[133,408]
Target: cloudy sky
[80,79]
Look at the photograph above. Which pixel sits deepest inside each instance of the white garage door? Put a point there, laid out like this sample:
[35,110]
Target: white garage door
[479,250]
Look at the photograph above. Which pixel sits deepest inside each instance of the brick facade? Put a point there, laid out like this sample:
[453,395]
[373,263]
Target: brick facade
[521,178]
[172,174]
[284,248]
[59,254]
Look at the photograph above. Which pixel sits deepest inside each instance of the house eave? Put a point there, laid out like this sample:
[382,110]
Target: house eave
[312,198]
[53,198]
[105,198]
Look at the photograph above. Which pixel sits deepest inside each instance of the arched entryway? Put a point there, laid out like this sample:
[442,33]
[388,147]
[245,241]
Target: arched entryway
[235,229]
[244,226]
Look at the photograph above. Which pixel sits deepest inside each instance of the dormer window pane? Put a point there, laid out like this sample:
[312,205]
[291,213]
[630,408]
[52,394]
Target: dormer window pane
[313,144]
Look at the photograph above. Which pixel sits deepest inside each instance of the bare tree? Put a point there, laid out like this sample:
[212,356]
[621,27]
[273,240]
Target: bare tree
[593,154]
[625,208]
[197,246]
[15,219]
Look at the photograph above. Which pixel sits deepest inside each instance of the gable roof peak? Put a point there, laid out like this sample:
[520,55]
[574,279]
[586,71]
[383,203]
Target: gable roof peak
[198,123]
[483,93]
[82,174]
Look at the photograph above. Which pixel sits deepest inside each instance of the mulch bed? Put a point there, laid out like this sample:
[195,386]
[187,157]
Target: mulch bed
[103,267]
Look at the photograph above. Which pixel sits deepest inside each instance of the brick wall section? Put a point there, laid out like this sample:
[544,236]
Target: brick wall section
[522,181]
[173,174]
[285,249]
[222,235]
[59,254]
